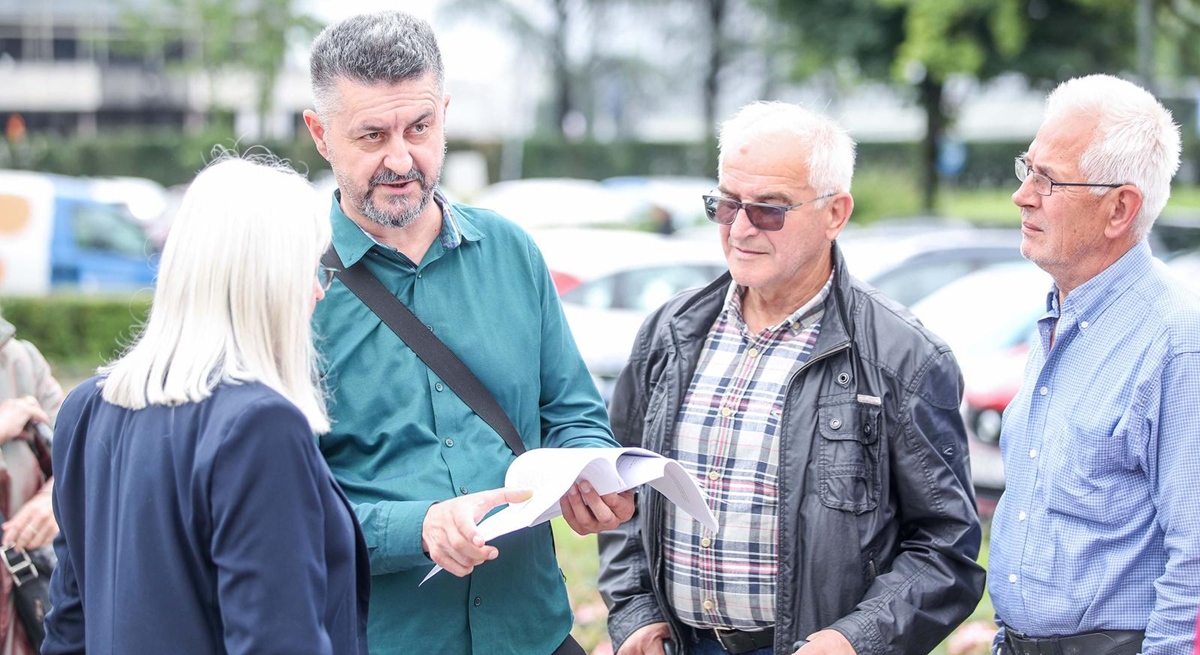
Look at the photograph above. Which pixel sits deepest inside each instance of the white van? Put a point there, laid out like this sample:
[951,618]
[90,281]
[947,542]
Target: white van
[54,234]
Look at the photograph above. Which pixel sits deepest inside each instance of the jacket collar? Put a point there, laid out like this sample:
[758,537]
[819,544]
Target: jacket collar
[693,319]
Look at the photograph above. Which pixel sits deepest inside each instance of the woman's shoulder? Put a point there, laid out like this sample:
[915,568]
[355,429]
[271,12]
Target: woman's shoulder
[255,406]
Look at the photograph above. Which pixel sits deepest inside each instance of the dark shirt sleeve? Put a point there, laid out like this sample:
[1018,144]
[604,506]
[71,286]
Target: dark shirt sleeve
[624,570]
[64,623]
[268,539]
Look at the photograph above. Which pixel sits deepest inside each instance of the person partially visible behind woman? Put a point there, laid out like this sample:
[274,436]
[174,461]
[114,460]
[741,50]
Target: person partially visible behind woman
[28,394]
[197,514]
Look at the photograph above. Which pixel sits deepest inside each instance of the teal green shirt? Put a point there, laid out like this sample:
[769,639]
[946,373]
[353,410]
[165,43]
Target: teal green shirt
[402,440]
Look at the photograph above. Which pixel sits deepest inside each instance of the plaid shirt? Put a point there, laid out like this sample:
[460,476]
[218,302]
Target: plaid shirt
[726,436]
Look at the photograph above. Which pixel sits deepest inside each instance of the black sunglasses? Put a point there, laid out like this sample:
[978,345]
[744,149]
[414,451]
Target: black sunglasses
[762,215]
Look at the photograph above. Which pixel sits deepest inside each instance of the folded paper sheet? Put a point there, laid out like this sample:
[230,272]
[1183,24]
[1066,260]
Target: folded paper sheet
[550,472]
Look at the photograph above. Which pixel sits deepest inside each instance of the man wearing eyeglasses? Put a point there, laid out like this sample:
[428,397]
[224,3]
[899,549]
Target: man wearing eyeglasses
[820,417]
[1096,541]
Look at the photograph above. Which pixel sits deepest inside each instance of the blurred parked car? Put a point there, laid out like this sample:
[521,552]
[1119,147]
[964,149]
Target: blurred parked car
[562,202]
[908,265]
[54,233]
[610,280]
[989,319]
[679,198]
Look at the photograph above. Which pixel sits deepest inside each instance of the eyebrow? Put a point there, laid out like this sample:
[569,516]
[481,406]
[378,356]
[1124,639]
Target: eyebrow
[422,118]
[764,198]
[371,127]
[1048,171]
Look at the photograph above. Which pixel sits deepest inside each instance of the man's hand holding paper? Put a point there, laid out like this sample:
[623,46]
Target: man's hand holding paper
[587,512]
[551,474]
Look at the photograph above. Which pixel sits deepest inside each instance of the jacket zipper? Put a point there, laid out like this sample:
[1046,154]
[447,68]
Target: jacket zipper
[787,390]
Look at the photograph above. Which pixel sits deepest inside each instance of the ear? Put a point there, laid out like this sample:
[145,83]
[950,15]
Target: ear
[317,131]
[840,208]
[1126,204]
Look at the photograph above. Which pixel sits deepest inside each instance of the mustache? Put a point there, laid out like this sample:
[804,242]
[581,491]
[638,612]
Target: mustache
[391,177]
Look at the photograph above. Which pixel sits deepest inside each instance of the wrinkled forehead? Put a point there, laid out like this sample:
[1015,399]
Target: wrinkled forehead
[775,154]
[1060,143]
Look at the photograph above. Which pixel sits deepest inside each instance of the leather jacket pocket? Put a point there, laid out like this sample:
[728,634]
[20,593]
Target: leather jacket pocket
[849,455]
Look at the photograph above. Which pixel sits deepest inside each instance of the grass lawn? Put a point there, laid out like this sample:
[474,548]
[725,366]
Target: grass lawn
[578,559]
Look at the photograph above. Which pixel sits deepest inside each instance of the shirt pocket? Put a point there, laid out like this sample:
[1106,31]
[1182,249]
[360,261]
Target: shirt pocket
[849,455]
[1092,477]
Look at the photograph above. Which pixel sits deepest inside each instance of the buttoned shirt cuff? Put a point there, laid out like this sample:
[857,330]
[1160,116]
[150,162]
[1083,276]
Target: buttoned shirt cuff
[398,546]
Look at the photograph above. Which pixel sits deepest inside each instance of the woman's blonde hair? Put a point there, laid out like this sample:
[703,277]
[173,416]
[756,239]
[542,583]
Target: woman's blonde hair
[234,286]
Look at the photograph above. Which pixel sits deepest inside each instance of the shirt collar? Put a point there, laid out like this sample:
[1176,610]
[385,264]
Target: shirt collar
[801,319]
[1093,296]
[352,242]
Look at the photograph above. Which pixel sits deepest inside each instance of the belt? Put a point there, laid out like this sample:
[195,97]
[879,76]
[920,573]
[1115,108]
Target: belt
[1103,642]
[736,641]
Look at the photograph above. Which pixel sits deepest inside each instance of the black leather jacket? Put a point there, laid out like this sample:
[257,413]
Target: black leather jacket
[878,532]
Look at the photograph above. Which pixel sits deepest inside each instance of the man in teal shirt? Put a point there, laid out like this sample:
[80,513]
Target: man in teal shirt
[420,467]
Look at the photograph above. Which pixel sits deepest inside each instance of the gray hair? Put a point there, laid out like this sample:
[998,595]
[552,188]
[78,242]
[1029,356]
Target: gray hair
[385,47]
[830,148]
[1136,142]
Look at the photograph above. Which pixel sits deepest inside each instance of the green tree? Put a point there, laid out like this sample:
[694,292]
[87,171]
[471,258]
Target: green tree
[921,43]
[217,36]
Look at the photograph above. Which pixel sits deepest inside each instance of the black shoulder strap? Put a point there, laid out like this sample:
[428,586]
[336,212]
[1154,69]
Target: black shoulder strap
[436,355]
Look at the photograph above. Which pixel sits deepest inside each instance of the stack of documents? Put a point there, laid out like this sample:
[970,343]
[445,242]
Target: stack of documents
[550,472]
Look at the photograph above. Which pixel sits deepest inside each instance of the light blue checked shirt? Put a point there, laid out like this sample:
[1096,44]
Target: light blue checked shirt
[1099,526]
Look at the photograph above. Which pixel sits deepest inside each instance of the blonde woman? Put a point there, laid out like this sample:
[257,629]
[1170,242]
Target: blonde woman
[197,515]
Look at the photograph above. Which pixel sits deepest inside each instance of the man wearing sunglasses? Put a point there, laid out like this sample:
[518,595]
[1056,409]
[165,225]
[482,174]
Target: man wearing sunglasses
[1096,541]
[820,417]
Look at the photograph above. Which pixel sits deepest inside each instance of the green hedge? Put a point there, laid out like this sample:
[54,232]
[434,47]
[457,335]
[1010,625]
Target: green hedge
[79,331]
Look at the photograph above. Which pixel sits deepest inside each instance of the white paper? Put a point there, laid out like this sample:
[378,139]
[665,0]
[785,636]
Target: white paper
[550,472]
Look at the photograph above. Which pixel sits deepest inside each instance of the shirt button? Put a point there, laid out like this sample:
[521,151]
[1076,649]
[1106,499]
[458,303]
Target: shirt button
[1083,325]
[713,475]
[753,352]
[463,489]
[708,605]
[1012,577]
[835,423]
[478,601]
[1032,453]
[706,542]
[1022,516]
[439,386]
[418,275]
[1044,391]
[725,411]
[449,442]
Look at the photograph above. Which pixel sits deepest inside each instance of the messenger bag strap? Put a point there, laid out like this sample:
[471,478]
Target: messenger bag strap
[436,355]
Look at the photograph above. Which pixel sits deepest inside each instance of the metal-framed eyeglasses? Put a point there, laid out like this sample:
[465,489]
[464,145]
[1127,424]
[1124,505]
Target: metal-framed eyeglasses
[1043,185]
[762,215]
[325,276]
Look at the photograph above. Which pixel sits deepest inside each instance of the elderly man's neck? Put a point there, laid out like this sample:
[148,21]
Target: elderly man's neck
[412,240]
[1072,274]
[763,307]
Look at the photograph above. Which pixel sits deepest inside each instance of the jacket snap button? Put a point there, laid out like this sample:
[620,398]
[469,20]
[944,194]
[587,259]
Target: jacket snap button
[843,379]
[835,423]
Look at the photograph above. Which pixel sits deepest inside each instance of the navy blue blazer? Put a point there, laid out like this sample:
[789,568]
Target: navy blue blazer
[211,527]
